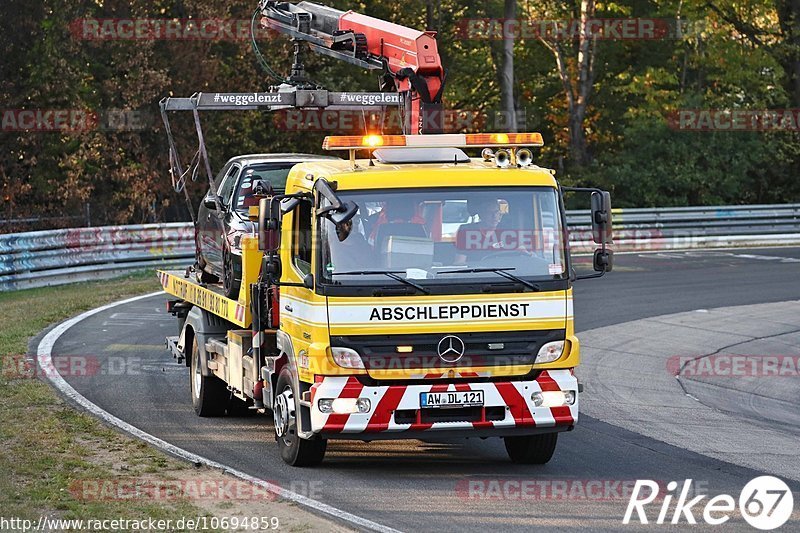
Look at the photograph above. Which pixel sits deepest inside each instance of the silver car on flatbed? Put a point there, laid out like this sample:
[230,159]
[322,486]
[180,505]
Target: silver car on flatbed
[223,215]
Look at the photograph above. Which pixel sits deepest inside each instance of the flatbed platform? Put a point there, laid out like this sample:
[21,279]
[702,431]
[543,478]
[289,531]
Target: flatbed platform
[208,297]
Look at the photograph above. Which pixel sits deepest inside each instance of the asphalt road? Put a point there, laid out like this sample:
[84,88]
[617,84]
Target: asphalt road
[459,485]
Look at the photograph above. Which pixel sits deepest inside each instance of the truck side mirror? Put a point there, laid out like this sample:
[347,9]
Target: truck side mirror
[337,211]
[601,218]
[263,188]
[344,215]
[210,201]
[603,260]
[269,225]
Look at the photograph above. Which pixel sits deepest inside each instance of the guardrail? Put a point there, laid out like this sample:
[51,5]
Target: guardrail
[41,258]
[679,228]
[55,257]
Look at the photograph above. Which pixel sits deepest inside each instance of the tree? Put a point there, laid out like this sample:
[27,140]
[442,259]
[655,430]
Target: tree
[575,63]
[508,103]
[754,20]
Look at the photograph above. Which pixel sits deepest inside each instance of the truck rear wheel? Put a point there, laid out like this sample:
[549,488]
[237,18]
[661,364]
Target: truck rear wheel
[295,451]
[209,393]
[531,449]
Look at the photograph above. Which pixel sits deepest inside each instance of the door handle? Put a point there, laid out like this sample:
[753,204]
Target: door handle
[288,308]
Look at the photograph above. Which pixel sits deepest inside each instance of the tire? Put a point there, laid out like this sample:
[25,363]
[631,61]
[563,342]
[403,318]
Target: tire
[531,449]
[204,277]
[230,280]
[294,450]
[209,394]
[200,265]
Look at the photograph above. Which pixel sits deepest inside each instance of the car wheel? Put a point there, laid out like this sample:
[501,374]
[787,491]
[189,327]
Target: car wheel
[230,282]
[200,269]
[295,451]
[204,277]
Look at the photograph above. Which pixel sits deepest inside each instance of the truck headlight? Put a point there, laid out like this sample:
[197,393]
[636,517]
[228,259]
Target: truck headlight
[550,352]
[347,358]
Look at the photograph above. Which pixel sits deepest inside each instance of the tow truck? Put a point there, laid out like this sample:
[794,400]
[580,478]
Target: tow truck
[359,316]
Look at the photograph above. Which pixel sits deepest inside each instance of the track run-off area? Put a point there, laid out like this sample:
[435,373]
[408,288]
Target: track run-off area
[637,420]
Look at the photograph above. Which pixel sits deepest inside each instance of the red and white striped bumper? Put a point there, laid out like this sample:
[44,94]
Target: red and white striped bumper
[514,397]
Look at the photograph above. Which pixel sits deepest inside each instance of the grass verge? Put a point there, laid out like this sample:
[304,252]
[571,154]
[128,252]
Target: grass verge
[50,452]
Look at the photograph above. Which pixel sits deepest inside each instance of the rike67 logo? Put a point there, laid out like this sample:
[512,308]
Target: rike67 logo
[765,503]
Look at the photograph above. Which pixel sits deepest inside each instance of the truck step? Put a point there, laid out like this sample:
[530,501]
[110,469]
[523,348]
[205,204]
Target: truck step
[218,346]
[172,346]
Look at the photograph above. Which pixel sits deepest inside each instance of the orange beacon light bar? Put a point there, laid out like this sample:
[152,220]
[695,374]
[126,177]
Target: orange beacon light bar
[454,140]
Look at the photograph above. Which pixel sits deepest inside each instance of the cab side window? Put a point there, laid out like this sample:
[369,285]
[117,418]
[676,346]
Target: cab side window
[301,245]
[228,185]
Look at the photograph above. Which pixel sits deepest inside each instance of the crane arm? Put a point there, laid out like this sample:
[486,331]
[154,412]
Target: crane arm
[410,58]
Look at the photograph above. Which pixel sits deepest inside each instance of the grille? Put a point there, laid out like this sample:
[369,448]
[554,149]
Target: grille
[379,352]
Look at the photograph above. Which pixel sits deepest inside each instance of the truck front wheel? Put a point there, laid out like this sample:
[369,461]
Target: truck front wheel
[531,449]
[295,451]
[209,393]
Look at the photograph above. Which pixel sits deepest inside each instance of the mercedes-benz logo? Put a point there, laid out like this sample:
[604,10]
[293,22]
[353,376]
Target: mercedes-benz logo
[451,349]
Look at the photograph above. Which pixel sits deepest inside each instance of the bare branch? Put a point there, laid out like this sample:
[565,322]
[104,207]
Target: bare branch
[561,66]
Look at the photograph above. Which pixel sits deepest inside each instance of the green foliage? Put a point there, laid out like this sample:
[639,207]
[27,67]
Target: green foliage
[638,83]
[658,166]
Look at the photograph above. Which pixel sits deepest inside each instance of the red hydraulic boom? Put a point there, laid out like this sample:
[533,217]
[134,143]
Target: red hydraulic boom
[409,58]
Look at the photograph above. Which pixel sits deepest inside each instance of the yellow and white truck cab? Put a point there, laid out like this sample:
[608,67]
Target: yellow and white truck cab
[417,292]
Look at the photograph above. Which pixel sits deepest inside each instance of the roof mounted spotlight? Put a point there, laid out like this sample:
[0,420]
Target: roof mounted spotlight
[524,157]
[502,158]
[487,154]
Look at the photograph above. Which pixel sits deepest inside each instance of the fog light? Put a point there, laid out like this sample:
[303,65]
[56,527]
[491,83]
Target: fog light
[553,398]
[364,405]
[536,398]
[344,406]
[569,397]
[325,405]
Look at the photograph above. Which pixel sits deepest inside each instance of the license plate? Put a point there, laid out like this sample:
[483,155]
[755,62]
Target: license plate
[469,398]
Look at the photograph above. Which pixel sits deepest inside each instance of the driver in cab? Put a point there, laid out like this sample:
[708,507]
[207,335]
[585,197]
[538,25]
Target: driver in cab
[350,250]
[476,240]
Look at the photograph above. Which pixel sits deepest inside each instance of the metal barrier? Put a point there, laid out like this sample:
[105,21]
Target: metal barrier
[679,228]
[42,258]
[55,257]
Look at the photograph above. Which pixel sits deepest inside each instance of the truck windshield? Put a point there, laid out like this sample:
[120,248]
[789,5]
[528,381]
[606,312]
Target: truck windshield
[447,235]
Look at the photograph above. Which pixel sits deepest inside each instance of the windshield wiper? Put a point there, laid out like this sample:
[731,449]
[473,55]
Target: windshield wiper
[500,271]
[388,273]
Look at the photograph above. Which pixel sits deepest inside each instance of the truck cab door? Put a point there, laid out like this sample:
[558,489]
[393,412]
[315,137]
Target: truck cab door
[303,312]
